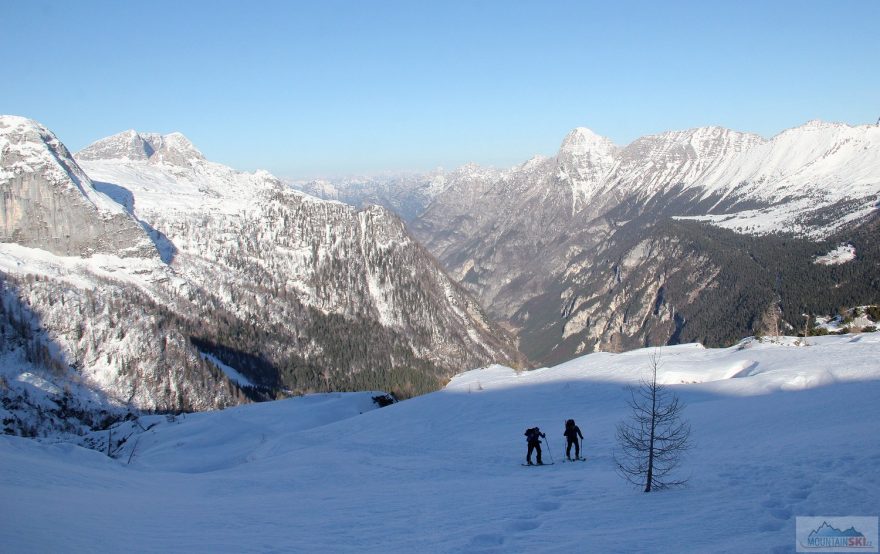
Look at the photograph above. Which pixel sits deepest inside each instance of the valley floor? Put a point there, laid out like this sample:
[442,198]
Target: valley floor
[780,431]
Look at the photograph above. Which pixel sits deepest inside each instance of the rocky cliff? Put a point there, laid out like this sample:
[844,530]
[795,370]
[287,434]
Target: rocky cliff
[48,202]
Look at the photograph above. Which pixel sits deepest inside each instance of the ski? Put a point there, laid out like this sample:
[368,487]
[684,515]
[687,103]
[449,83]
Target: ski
[537,465]
[576,460]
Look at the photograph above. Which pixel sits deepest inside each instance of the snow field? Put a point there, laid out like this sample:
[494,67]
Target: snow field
[779,431]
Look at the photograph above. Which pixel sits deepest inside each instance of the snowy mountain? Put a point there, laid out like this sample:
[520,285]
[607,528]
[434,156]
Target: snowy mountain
[797,177]
[577,252]
[806,169]
[779,431]
[171,149]
[237,287]
[656,164]
[49,203]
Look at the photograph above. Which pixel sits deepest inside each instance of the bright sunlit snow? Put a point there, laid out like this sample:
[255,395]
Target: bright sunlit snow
[780,431]
[840,255]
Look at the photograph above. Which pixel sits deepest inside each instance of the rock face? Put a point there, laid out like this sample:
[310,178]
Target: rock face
[48,202]
[570,250]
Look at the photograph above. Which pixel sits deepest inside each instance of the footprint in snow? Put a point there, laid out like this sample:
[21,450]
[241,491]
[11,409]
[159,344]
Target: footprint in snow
[487,539]
[523,525]
[770,526]
[547,506]
[783,513]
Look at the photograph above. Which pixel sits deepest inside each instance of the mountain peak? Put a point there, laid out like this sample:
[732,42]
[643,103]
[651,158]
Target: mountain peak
[173,148]
[532,163]
[580,141]
[7,121]
[178,150]
[51,204]
[127,145]
[583,161]
[472,169]
[818,127]
[818,124]
[26,146]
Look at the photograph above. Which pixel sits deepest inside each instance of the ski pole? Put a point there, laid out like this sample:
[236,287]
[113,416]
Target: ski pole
[548,452]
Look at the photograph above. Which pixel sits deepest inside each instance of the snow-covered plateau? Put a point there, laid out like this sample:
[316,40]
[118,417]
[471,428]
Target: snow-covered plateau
[780,430]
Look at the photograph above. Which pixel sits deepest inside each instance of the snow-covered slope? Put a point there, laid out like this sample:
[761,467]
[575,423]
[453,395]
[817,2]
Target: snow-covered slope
[796,175]
[779,431]
[166,173]
[655,164]
[831,158]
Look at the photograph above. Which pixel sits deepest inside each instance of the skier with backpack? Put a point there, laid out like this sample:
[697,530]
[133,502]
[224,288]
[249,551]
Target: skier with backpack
[572,432]
[533,437]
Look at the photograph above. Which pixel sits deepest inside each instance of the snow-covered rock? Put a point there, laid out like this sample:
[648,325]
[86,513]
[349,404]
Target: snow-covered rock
[49,202]
[840,255]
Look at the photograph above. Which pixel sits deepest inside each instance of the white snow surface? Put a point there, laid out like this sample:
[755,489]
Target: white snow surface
[840,255]
[780,431]
[163,188]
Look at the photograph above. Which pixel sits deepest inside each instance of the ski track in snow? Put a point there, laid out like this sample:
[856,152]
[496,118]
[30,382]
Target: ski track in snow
[780,431]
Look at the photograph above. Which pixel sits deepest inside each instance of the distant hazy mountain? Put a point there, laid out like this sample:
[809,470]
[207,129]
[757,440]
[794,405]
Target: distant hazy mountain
[406,194]
[578,252]
[164,281]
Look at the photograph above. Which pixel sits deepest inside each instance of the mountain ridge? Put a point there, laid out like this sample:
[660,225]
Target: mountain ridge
[524,240]
[293,293]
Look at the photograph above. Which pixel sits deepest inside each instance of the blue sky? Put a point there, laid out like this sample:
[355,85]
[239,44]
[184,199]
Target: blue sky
[332,87]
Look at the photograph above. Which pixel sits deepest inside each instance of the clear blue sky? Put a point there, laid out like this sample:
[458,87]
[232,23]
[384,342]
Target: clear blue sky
[338,87]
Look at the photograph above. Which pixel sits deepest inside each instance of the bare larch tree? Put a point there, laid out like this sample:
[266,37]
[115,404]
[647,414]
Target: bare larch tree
[653,440]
